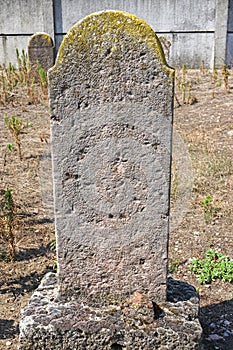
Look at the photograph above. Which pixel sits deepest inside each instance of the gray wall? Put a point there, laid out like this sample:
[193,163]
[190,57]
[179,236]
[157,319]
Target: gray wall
[188,24]
[197,29]
[229,54]
[19,19]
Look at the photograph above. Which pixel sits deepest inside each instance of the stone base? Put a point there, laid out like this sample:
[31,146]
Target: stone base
[48,323]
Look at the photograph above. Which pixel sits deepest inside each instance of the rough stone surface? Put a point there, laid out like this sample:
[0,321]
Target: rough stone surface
[40,50]
[49,323]
[111,96]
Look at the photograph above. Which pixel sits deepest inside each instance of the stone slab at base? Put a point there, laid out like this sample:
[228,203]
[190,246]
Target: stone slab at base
[48,323]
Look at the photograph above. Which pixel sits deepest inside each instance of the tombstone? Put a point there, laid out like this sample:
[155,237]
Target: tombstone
[166,45]
[111,97]
[111,102]
[40,51]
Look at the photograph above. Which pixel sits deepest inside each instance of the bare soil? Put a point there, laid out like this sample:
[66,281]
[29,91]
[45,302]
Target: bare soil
[203,141]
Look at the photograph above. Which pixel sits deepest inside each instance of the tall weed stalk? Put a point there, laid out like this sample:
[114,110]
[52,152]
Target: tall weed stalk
[13,79]
[8,215]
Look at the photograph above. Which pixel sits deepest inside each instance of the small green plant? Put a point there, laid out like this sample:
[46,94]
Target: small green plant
[42,75]
[202,67]
[23,67]
[19,79]
[5,90]
[183,83]
[173,266]
[209,208]
[207,201]
[214,79]
[213,266]
[8,216]
[9,146]
[190,98]
[215,75]
[216,166]
[15,126]
[185,88]
[43,81]
[225,74]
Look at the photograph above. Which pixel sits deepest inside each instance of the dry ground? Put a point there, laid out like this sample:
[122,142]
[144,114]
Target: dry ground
[202,166]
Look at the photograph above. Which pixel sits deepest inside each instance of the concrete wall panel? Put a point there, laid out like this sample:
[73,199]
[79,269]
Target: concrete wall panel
[19,20]
[229,59]
[197,29]
[230,17]
[162,15]
[191,49]
[186,48]
[8,45]
[24,17]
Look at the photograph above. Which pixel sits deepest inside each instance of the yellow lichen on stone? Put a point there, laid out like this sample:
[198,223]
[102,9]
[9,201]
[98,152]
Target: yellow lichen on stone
[109,26]
[40,38]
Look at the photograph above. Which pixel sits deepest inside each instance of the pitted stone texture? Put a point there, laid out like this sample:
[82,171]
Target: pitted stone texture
[48,323]
[111,99]
[40,50]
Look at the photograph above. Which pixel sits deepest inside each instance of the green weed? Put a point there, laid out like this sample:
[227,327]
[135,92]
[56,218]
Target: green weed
[15,126]
[215,75]
[9,146]
[185,88]
[42,75]
[23,67]
[173,266]
[210,210]
[15,80]
[207,201]
[43,80]
[213,266]
[225,74]
[8,222]
[216,166]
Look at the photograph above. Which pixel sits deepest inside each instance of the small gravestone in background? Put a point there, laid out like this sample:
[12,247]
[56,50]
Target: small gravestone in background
[40,52]
[111,101]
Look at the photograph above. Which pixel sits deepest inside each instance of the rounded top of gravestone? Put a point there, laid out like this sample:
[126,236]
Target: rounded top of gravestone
[40,40]
[110,33]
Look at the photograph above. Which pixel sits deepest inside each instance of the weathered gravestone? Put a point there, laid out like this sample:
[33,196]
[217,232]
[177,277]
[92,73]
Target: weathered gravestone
[40,52]
[111,97]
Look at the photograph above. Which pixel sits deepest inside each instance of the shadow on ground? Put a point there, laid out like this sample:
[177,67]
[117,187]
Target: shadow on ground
[7,329]
[217,329]
[27,254]
[22,285]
